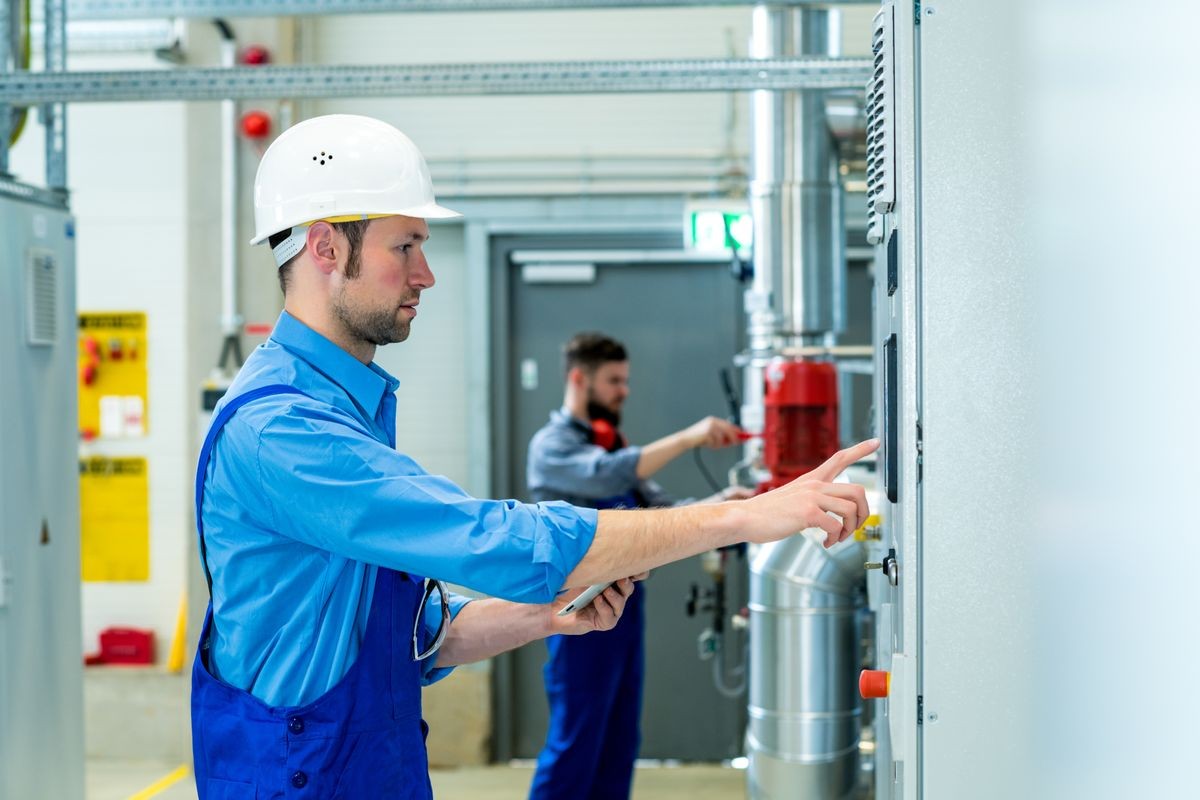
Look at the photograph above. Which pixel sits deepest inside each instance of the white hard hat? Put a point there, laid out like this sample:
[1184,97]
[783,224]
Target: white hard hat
[341,167]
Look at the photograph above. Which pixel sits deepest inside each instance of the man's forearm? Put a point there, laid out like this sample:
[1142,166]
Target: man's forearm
[632,542]
[485,628]
[661,452]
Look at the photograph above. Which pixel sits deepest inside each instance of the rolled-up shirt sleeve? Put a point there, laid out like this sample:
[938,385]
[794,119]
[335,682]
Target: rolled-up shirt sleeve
[326,482]
[572,466]
[433,620]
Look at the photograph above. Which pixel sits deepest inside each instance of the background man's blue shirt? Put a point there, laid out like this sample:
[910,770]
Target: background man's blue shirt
[564,464]
[306,497]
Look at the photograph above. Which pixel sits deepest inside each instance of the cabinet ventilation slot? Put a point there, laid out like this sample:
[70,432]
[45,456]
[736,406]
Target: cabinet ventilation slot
[881,126]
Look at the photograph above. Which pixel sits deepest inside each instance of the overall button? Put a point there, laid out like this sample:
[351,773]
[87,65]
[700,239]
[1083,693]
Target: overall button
[296,725]
[299,779]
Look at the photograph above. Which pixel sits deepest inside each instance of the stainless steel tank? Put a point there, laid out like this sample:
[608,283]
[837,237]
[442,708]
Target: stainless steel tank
[802,740]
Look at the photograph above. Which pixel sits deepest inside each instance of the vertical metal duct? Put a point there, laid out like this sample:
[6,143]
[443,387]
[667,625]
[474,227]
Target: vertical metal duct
[798,291]
[804,711]
[815,295]
[795,194]
[230,322]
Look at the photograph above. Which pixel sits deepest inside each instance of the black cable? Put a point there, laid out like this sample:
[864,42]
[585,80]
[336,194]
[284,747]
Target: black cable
[731,397]
[716,487]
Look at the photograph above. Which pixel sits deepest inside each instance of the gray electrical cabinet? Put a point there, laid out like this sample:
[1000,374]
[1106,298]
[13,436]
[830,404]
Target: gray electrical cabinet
[41,670]
[954,345]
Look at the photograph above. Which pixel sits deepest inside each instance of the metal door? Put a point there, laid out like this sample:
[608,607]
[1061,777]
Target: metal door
[681,321]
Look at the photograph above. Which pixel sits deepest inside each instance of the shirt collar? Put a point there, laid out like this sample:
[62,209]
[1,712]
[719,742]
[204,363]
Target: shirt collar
[365,383]
[563,416]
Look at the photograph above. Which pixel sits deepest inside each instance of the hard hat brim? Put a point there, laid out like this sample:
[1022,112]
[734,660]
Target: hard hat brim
[427,211]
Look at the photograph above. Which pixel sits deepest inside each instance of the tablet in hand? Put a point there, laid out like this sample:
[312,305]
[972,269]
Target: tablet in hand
[585,597]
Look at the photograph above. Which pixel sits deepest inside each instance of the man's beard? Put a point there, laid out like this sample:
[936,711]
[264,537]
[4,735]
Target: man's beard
[378,326]
[597,411]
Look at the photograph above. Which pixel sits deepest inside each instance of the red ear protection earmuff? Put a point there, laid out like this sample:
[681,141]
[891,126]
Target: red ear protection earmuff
[604,434]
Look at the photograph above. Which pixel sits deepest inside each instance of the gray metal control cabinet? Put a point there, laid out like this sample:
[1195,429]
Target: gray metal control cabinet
[41,671]
[954,399]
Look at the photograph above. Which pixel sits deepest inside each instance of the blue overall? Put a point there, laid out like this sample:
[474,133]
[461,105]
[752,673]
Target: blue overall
[594,686]
[362,738]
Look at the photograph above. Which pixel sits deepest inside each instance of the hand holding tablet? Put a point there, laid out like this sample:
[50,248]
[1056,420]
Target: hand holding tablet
[584,599]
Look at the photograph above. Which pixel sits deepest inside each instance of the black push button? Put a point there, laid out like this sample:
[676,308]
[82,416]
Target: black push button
[296,725]
[299,779]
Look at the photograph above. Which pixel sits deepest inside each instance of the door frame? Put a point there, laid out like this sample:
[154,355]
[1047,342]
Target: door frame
[487,219]
[651,219]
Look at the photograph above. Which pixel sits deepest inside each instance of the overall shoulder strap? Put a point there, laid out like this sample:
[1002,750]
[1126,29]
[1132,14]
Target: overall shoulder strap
[227,412]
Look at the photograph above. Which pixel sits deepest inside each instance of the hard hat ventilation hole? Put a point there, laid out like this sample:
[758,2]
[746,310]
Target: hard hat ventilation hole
[323,157]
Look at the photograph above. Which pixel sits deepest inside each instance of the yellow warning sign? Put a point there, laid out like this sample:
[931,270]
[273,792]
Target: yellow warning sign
[112,375]
[114,504]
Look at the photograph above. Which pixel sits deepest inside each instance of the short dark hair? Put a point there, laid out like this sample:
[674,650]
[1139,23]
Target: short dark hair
[354,230]
[590,351]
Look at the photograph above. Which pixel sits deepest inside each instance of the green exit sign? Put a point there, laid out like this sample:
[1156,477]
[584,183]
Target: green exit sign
[718,229]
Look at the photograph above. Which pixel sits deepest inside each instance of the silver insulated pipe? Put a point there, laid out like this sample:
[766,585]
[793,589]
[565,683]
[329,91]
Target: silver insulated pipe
[798,292]
[804,710]
[795,194]
[802,740]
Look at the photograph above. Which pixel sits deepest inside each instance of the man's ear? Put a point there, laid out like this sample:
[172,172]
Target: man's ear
[321,245]
[577,377]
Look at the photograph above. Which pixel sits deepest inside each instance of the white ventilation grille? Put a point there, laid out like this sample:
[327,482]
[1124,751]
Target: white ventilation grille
[42,309]
[881,127]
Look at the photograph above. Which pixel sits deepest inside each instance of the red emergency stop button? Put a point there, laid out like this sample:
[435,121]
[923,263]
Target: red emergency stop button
[874,683]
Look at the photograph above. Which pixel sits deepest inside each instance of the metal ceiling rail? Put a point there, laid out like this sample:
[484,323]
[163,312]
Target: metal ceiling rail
[582,77]
[143,9]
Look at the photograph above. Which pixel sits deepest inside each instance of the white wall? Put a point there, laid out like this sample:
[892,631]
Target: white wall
[431,407]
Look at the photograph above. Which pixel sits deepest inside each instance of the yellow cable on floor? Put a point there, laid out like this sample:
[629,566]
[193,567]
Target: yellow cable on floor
[163,784]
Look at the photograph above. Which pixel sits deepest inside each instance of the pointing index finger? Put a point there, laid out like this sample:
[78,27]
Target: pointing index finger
[838,462]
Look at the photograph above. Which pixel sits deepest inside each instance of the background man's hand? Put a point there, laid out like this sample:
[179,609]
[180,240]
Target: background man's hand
[602,615]
[810,501]
[711,432]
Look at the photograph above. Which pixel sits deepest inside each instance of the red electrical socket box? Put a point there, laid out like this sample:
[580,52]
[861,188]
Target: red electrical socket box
[126,646]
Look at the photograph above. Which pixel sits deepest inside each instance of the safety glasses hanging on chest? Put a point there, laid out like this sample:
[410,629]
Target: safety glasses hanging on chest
[431,586]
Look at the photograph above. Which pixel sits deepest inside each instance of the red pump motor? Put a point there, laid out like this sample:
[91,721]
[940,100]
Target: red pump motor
[801,426]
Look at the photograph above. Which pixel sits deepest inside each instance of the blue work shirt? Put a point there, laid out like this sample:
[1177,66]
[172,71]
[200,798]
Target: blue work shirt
[306,496]
[564,464]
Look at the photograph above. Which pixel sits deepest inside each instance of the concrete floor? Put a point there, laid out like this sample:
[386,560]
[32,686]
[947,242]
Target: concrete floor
[142,780]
